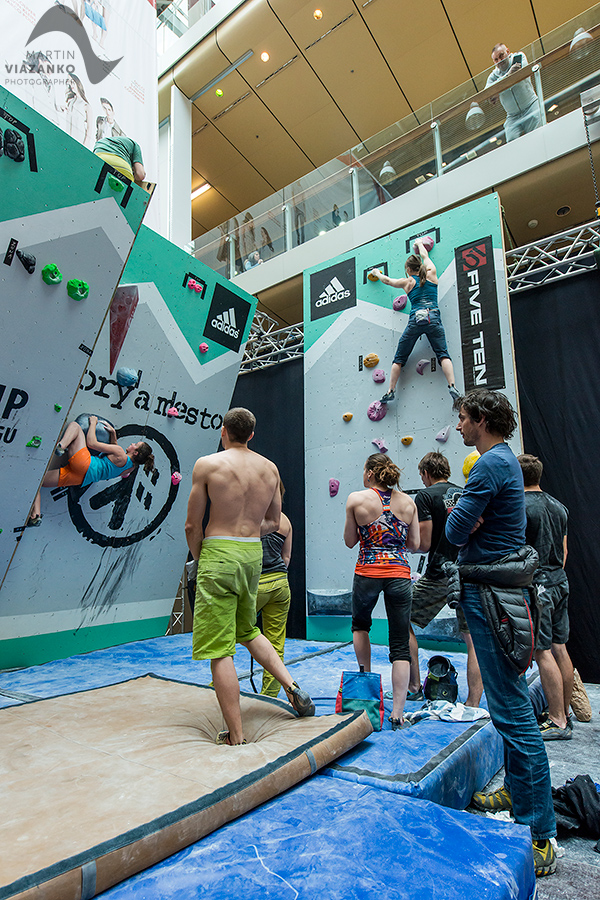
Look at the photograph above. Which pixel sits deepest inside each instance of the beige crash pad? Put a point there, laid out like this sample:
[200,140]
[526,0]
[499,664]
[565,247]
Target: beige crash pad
[101,784]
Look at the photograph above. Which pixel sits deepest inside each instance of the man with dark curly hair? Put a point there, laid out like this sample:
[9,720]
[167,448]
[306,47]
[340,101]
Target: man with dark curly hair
[488,525]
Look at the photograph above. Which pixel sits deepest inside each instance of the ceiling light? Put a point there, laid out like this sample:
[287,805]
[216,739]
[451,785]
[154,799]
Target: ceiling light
[264,56]
[533,223]
[201,190]
[563,211]
[580,44]
[475,117]
[420,179]
[318,14]
[493,139]
[387,174]
[553,107]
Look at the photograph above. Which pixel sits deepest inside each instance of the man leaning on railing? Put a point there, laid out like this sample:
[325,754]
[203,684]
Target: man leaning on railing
[519,101]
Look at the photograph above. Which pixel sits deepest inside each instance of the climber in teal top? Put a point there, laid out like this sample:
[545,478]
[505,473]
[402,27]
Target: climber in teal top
[421,287]
[81,468]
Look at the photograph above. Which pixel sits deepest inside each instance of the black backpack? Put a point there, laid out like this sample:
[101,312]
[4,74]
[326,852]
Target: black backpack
[441,680]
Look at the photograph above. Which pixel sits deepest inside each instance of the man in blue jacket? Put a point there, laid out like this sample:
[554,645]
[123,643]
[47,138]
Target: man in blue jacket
[487,523]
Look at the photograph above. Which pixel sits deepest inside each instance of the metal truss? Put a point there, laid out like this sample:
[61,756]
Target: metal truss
[269,345]
[551,259]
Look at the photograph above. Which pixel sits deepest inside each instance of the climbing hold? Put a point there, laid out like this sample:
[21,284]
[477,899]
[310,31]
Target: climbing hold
[35,441]
[13,145]
[57,407]
[469,462]
[380,445]
[378,376]
[346,417]
[51,274]
[203,348]
[377,411]
[175,477]
[422,365]
[334,487]
[371,360]
[78,290]
[427,243]
[414,576]
[443,435]
[102,432]
[406,440]
[400,302]
[115,184]
[173,412]
[28,260]
[127,377]
[373,275]
[219,92]
[195,285]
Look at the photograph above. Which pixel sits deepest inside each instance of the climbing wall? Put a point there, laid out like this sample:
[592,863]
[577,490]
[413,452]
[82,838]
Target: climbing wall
[66,230]
[104,566]
[348,319]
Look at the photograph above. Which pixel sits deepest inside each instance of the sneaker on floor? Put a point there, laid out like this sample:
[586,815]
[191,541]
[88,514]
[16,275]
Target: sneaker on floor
[454,392]
[387,398]
[300,700]
[492,802]
[550,731]
[580,702]
[415,696]
[544,858]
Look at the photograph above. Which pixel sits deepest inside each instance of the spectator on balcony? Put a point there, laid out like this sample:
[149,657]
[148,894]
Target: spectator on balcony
[520,101]
[253,260]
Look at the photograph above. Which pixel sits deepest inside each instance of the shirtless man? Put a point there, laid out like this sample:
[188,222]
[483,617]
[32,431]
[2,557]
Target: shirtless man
[243,488]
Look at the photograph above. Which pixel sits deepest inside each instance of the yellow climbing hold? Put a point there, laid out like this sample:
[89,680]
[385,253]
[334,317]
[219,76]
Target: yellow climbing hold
[371,360]
[346,417]
[406,440]
[469,462]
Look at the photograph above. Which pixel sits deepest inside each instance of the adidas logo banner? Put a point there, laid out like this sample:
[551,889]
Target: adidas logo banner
[227,318]
[333,289]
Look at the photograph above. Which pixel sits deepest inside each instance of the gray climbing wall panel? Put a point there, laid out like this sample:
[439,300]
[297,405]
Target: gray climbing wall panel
[57,206]
[104,566]
[346,318]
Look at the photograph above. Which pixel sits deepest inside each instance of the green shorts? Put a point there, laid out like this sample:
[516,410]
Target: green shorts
[225,609]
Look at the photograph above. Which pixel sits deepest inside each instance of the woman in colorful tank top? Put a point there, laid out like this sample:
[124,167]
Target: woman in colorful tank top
[81,468]
[273,598]
[421,287]
[385,522]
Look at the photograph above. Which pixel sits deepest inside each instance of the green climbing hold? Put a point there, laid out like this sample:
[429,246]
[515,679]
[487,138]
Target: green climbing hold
[35,441]
[57,407]
[115,184]
[78,290]
[51,274]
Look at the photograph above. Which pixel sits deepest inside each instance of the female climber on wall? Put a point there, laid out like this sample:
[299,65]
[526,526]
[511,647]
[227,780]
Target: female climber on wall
[81,468]
[385,522]
[421,287]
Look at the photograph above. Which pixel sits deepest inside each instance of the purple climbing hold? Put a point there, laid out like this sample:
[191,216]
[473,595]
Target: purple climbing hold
[377,411]
[381,446]
[443,435]
[378,376]
[422,365]
[334,487]
[400,302]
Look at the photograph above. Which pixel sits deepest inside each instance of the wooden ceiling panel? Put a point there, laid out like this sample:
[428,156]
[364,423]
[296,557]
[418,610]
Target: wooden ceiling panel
[164,96]
[283,301]
[479,25]
[254,26]
[324,135]
[551,14]
[199,66]
[210,209]
[242,185]
[212,154]
[233,87]
[357,77]
[297,17]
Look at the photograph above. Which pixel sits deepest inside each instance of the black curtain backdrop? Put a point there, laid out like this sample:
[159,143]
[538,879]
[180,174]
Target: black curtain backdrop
[276,397]
[556,334]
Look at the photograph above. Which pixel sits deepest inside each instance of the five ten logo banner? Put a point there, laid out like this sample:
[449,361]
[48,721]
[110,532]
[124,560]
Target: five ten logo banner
[479,318]
[227,318]
[333,289]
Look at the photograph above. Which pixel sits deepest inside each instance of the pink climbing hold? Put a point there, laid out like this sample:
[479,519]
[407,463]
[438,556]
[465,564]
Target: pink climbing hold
[400,302]
[173,412]
[377,411]
[443,435]
[427,243]
[422,365]
[203,348]
[378,376]
[175,477]
[334,487]
[380,445]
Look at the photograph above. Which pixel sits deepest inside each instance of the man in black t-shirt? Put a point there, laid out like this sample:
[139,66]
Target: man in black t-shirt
[547,532]
[434,504]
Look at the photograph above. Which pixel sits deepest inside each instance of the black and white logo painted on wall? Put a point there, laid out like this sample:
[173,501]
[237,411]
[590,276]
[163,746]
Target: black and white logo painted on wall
[127,510]
[333,289]
[227,318]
